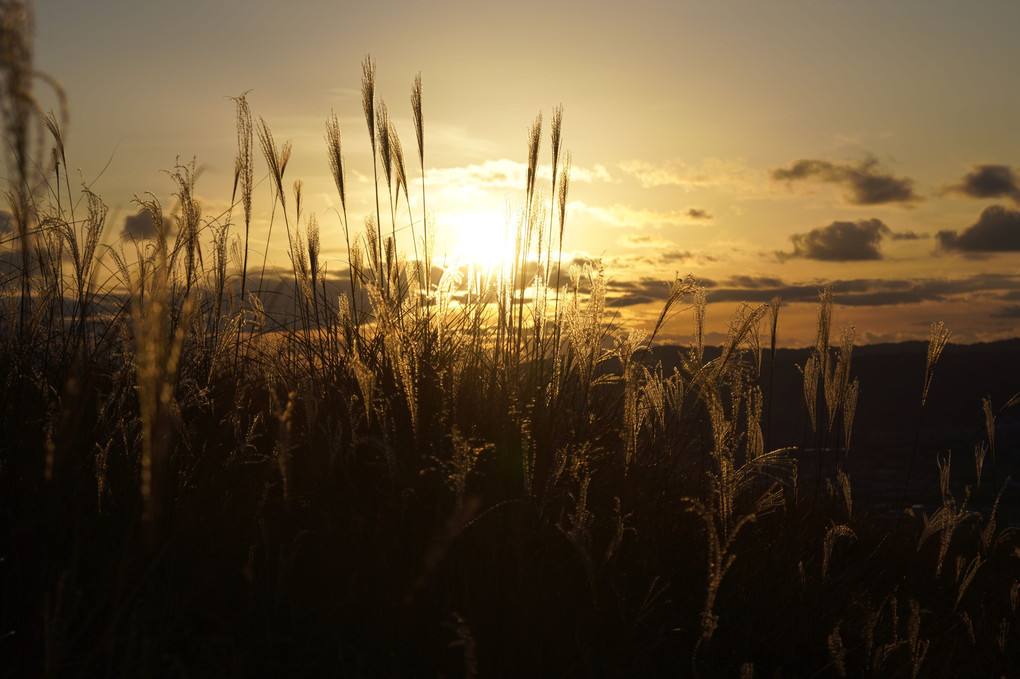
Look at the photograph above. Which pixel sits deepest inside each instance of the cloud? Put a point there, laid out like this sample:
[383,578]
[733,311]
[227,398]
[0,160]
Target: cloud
[1008,312]
[734,175]
[643,240]
[504,175]
[754,282]
[140,226]
[908,235]
[865,182]
[989,181]
[624,216]
[860,292]
[6,223]
[841,241]
[996,230]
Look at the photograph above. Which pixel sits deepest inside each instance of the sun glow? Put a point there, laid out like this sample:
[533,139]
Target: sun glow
[480,238]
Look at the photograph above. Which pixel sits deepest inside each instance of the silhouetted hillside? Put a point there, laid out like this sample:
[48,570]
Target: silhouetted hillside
[889,413]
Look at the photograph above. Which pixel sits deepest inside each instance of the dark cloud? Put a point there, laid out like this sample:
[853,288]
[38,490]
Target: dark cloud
[908,235]
[1008,312]
[841,241]
[754,282]
[6,223]
[698,213]
[989,181]
[996,230]
[859,292]
[865,182]
[864,291]
[140,226]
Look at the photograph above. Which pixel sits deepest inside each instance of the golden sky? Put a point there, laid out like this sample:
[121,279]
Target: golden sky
[764,147]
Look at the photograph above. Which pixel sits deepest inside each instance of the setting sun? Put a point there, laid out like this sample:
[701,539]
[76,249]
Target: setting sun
[479,238]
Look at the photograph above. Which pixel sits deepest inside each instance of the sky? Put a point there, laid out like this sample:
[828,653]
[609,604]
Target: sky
[763,147]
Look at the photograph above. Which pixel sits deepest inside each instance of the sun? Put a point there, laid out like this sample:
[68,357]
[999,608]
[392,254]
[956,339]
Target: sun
[480,238]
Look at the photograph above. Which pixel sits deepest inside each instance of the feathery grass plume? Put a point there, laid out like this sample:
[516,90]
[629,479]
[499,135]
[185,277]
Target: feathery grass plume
[555,139]
[626,347]
[399,167]
[843,479]
[335,156]
[369,105]
[810,372]
[989,536]
[836,382]
[986,407]
[299,187]
[220,233]
[755,438]
[563,189]
[743,329]
[678,289]
[584,326]
[368,96]
[918,647]
[188,222]
[314,249]
[338,168]
[461,464]
[700,304]
[82,248]
[944,473]
[534,143]
[382,121]
[965,577]
[837,652]
[244,174]
[276,159]
[774,304]
[720,559]
[556,135]
[419,127]
[980,450]
[824,325]
[947,518]
[419,134]
[849,410]
[299,260]
[939,338]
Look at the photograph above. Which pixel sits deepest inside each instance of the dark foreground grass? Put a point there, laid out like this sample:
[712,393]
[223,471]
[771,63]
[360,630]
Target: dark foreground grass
[394,472]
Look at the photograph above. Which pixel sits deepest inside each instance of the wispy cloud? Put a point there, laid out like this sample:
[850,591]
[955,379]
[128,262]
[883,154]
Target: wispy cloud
[989,181]
[731,175]
[996,230]
[865,182]
[502,175]
[643,240]
[624,216]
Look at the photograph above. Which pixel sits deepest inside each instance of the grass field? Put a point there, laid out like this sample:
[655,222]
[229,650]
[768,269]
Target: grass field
[206,470]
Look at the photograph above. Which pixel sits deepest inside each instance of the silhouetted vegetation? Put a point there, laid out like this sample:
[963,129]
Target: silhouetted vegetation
[399,470]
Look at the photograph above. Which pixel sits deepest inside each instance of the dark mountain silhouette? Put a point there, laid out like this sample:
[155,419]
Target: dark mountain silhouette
[889,417]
